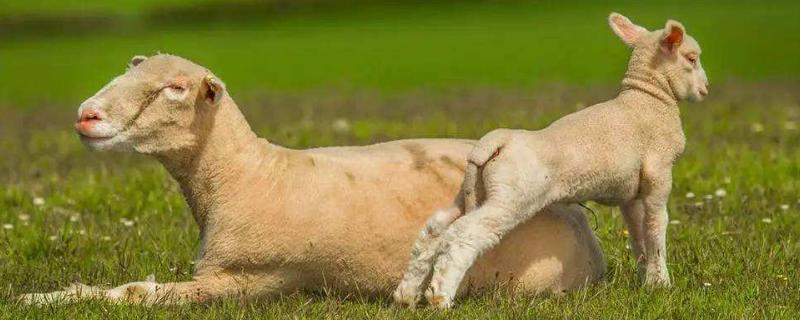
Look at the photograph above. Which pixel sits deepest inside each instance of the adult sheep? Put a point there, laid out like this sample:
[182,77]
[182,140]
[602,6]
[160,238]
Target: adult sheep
[274,220]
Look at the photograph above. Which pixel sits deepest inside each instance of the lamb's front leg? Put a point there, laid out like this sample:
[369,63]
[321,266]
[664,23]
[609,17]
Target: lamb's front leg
[656,195]
[634,214]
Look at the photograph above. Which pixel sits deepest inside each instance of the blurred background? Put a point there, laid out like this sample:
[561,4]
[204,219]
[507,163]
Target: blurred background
[310,73]
[63,51]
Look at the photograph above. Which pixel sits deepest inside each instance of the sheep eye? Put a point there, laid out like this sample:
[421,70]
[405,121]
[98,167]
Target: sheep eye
[692,60]
[175,87]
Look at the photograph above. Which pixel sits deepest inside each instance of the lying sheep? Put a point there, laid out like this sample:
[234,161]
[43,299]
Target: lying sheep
[274,220]
[618,152]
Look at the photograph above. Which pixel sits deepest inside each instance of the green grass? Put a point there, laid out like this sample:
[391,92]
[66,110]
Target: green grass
[56,7]
[445,69]
[394,48]
[750,265]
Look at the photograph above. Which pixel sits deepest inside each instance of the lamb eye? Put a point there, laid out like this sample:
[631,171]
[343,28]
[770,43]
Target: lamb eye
[692,60]
[175,87]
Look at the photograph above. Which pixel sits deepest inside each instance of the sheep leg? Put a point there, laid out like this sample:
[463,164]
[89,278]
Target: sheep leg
[657,190]
[634,213]
[149,292]
[465,241]
[422,255]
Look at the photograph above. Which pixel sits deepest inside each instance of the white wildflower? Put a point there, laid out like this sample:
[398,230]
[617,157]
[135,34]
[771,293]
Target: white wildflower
[690,195]
[38,201]
[52,238]
[74,218]
[698,204]
[675,222]
[24,217]
[708,197]
[82,232]
[8,226]
[706,284]
[721,193]
[784,207]
[341,125]
[126,222]
[766,220]
[756,127]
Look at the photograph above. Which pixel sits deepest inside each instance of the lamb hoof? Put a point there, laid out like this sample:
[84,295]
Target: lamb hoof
[440,301]
[406,297]
[657,281]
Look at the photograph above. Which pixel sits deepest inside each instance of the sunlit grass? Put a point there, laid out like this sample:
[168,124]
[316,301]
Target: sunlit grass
[108,219]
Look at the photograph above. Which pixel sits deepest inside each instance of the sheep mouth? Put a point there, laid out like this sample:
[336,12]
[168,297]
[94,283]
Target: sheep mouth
[85,137]
[94,131]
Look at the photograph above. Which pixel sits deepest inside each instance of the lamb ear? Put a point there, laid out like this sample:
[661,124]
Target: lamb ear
[625,29]
[672,37]
[136,60]
[215,89]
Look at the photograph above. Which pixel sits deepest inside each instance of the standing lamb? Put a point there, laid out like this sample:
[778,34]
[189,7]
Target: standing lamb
[274,220]
[618,152]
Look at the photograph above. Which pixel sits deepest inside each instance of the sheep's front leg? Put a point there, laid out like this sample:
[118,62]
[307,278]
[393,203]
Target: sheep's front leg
[656,195]
[634,214]
[408,292]
[143,292]
[148,292]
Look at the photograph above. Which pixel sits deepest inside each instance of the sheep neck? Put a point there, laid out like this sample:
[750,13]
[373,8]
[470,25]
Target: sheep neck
[644,77]
[210,172]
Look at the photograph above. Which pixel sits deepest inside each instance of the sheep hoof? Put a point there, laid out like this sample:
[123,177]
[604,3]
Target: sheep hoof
[405,296]
[657,281]
[441,301]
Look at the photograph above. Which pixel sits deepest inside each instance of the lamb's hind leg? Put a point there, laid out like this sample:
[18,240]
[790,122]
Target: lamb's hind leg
[465,241]
[423,252]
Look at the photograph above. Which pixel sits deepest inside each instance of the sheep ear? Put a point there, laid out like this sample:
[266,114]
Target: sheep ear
[136,60]
[672,37]
[215,89]
[625,29]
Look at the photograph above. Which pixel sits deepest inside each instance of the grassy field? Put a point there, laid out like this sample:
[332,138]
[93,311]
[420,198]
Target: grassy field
[391,72]
[397,48]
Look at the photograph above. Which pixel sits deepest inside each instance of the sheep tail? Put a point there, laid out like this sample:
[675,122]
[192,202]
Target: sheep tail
[480,155]
[470,186]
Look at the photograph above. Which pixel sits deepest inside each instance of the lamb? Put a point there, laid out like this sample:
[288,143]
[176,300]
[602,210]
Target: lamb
[274,220]
[618,153]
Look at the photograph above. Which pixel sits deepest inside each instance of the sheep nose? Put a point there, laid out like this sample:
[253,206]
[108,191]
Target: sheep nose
[88,116]
[87,120]
[704,91]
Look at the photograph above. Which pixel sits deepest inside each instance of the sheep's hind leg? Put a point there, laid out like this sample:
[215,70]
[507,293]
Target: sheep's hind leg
[408,292]
[465,241]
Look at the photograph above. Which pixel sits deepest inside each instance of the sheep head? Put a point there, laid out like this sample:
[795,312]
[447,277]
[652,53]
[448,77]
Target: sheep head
[159,104]
[668,54]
